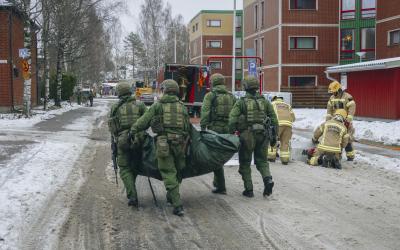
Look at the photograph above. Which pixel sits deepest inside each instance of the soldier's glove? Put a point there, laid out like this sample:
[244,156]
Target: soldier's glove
[113,147]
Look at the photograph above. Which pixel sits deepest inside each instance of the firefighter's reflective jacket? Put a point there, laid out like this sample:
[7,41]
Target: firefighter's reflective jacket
[343,101]
[283,112]
[332,136]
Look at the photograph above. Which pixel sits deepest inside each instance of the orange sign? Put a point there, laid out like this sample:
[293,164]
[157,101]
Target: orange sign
[25,70]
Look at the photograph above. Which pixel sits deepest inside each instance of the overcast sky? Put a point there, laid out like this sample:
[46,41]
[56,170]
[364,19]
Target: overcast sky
[187,8]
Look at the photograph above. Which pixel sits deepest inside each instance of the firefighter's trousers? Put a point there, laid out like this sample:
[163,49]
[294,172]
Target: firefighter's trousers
[284,137]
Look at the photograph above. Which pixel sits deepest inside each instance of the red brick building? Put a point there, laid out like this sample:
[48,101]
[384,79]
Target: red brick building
[388,29]
[11,40]
[297,40]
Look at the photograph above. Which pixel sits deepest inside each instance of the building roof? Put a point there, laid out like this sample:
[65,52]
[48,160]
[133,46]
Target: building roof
[238,12]
[364,66]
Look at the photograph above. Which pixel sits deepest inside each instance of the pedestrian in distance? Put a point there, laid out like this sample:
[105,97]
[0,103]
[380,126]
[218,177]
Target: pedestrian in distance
[254,120]
[217,105]
[169,119]
[286,117]
[123,115]
[340,99]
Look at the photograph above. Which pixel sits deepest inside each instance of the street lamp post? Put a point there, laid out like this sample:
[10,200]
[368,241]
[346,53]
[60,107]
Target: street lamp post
[234,47]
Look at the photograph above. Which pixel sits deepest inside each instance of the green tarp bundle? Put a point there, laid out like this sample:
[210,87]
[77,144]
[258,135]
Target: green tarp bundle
[208,151]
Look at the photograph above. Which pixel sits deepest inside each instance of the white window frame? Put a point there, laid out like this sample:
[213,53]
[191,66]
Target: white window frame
[207,41]
[315,76]
[241,42]
[255,19]
[316,43]
[388,37]
[316,7]
[255,45]
[262,14]
[208,23]
[220,62]
[262,48]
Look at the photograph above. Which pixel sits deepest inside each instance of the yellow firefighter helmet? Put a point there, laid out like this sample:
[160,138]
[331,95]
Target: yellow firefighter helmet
[341,112]
[334,87]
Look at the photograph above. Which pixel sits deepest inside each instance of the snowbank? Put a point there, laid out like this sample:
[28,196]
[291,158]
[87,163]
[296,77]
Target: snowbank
[379,131]
[16,120]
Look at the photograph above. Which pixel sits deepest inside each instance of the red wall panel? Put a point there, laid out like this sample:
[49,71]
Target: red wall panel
[376,93]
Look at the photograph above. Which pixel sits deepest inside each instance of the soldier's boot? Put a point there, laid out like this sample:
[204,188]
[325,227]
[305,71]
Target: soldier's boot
[248,193]
[268,185]
[219,182]
[133,202]
[169,200]
[178,211]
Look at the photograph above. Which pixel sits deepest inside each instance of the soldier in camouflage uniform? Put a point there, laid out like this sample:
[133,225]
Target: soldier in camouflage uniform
[169,119]
[249,118]
[217,105]
[123,114]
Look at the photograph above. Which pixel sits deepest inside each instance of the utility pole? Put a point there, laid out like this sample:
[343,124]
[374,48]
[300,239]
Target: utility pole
[234,47]
[175,45]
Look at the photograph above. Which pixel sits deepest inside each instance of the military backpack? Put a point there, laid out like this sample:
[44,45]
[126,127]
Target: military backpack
[221,106]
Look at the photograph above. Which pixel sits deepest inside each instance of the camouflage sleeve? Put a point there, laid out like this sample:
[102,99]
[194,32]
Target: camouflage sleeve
[234,116]
[143,122]
[351,107]
[318,132]
[205,111]
[271,113]
[142,108]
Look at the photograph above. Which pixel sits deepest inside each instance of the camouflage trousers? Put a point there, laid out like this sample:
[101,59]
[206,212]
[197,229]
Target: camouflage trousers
[253,143]
[127,171]
[219,175]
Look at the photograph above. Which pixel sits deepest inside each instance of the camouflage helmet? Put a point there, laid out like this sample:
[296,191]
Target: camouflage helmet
[123,88]
[217,79]
[250,83]
[170,86]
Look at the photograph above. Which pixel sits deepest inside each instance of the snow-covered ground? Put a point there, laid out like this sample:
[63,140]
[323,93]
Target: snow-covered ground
[379,131]
[16,120]
[32,177]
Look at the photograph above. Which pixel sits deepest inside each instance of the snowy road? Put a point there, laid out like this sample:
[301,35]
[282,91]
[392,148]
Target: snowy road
[311,208]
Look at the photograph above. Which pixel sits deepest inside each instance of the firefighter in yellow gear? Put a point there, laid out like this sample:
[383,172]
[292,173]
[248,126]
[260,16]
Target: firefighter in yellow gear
[340,99]
[331,137]
[286,118]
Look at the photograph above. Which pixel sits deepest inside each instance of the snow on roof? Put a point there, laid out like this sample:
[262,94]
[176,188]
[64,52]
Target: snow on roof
[364,66]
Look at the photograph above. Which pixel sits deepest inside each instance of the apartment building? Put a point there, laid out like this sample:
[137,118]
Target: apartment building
[211,35]
[297,39]
[388,29]
[357,30]
[11,77]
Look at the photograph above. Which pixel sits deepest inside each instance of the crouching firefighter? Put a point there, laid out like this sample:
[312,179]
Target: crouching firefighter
[123,115]
[250,117]
[286,118]
[333,138]
[169,119]
[340,99]
[217,105]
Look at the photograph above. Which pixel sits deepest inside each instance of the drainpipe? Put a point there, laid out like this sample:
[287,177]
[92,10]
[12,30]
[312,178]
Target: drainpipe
[330,77]
[10,55]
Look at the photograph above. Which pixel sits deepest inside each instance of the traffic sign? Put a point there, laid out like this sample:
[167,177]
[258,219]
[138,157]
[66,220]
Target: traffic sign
[252,68]
[24,53]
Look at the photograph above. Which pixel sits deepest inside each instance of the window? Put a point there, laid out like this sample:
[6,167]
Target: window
[347,43]
[301,81]
[214,44]
[262,48]
[368,43]
[238,63]
[238,23]
[368,8]
[213,23]
[256,46]
[303,43]
[348,10]
[262,14]
[303,4]
[197,26]
[238,42]
[216,65]
[256,17]
[194,28]
[394,37]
